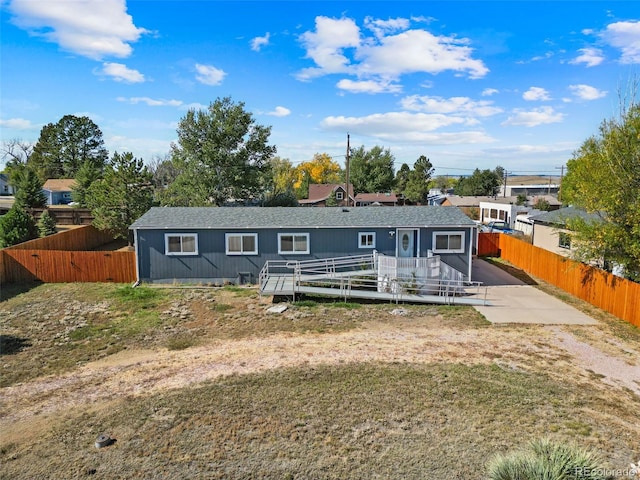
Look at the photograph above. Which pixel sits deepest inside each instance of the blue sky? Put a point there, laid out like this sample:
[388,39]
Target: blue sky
[467,84]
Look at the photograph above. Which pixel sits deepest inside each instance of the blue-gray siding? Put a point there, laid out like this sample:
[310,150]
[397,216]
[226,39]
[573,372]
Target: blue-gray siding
[212,264]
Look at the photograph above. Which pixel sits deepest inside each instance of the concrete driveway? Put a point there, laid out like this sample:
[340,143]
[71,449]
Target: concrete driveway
[513,301]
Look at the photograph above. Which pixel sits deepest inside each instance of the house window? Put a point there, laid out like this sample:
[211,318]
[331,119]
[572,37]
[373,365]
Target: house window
[181,244]
[297,243]
[448,242]
[339,195]
[564,240]
[241,243]
[367,240]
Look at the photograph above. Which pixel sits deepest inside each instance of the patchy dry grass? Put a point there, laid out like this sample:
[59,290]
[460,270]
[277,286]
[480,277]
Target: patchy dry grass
[207,384]
[351,421]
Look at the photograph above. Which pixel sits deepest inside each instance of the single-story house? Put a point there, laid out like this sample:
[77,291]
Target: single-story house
[376,199]
[5,188]
[319,193]
[58,190]
[217,245]
[550,231]
[507,208]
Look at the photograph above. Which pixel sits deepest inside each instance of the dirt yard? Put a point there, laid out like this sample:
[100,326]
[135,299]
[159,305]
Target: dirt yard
[73,352]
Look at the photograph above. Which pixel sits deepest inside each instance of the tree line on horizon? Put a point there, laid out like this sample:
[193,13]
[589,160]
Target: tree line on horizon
[221,153]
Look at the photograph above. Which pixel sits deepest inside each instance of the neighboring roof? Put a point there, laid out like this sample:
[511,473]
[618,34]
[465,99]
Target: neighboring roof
[295,217]
[560,216]
[322,191]
[376,197]
[59,184]
[472,201]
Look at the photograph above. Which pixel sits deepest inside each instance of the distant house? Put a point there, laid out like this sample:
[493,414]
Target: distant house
[376,199]
[550,229]
[58,190]
[5,188]
[215,245]
[508,210]
[319,193]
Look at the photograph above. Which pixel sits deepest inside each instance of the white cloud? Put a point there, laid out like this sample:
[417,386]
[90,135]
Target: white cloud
[381,27]
[416,51]
[93,29]
[487,92]
[17,124]
[259,42]
[368,86]
[121,73]
[406,127]
[532,118]
[325,46]
[626,37]
[587,92]
[338,46]
[209,75]
[280,112]
[536,94]
[589,56]
[151,102]
[452,105]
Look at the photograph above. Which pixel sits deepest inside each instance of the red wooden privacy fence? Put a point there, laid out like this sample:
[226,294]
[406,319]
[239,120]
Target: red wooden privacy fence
[615,295]
[67,257]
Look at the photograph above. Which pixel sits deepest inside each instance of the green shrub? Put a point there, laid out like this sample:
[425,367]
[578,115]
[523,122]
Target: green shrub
[546,460]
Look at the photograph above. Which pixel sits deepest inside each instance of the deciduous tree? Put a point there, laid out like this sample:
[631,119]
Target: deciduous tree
[486,183]
[322,169]
[371,171]
[603,177]
[221,153]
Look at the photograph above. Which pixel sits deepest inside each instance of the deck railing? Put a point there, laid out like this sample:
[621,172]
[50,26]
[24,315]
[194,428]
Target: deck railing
[362,272]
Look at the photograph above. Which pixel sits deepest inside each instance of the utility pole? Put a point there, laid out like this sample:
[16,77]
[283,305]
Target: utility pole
[346,176]
[560,186]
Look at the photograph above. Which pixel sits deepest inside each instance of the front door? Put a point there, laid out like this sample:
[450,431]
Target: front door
[406,246]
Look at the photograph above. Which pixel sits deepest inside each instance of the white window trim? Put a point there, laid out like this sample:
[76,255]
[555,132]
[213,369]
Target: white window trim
[181,235]
[227,236]
[435,249]
[281,252]
[365,234]
[339,195]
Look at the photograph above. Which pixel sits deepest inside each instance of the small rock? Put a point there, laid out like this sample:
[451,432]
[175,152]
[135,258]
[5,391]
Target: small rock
[399,311]
[277,308]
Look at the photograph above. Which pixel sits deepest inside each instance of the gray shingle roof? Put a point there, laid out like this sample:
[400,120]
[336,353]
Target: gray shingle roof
[300,217]
[560,217]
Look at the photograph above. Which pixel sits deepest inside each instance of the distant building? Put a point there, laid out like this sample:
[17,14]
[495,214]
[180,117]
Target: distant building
[376,199]
[58,190]
[530,185]
[319,193]
[5,188]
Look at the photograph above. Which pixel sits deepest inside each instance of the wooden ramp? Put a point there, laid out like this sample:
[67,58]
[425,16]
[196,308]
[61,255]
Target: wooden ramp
[284,285]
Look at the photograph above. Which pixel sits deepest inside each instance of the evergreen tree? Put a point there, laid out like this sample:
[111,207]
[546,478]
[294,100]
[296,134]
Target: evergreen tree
[123,194]
[87,174]
[28,186]
[16,226]
[63,147]
[46,224]
[417,187]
